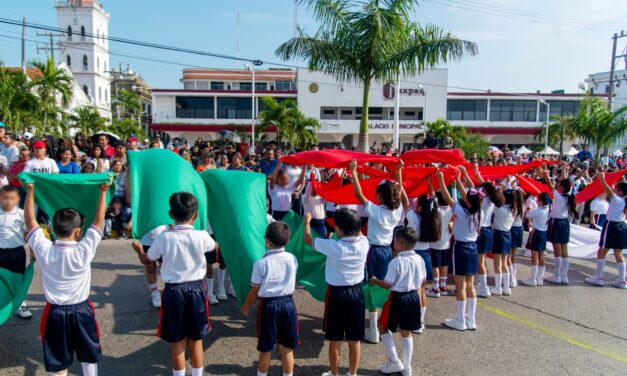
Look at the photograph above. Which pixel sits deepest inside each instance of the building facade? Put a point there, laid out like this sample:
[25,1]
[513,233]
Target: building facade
[127,79]
[86,49]
[599,83]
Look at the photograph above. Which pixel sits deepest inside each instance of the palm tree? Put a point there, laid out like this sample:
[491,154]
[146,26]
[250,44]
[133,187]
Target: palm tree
[18,104]
[468,142]
[560,129]
[277,114]
[88,120]
[305,131]
[370,40]
[126,127]
[598,125]
[128,103]
[55,85]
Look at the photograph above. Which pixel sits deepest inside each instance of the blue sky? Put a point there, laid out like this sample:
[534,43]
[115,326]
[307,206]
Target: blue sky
[514,54]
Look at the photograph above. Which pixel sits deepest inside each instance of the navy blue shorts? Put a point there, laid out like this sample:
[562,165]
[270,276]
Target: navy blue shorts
[211,257]
[184,312]
[319,226]
[277,322]
[379,257]
[614,235]
[344,317]
[559,231]
[465,259]
[13,259]
[502,242]
[517,236]
[426,257]
[278,215]
[484,242]
[537,241]
[440,257]
[69,329]
[401,311]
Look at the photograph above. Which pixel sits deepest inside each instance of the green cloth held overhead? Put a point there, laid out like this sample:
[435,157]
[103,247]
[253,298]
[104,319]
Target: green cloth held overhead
[13,290]
[155,174]
[76,191]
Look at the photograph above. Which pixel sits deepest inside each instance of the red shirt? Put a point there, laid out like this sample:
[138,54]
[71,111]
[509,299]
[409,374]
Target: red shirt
[15,169]
[109,151]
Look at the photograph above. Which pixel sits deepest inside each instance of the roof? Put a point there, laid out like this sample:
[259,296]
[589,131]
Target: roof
[498,94]
[32,72]
[238,74]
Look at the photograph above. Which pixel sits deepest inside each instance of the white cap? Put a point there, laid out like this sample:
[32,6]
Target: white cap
[28,135]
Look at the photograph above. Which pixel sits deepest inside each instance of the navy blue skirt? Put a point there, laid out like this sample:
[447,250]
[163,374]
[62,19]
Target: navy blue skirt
[537,240]
[484,242]
[517,236]
[465,259]
[614,235]
[502,242]
[559,230]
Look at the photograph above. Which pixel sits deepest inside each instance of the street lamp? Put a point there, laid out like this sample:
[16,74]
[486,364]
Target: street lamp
[548,115]
[252,122]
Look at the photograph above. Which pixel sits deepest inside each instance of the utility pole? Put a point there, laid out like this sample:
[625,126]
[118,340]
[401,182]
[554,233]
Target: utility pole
[52,48]
[24,44]
[616,37]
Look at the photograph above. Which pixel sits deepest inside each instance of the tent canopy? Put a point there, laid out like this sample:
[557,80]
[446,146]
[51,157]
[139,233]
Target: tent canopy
[617,152]
[522,150]
[572,151]
[548,151]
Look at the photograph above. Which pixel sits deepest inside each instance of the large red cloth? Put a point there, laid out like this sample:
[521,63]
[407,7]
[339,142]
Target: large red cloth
[493,173]
[423,156]
[533,187]
[592,190]
[336,158]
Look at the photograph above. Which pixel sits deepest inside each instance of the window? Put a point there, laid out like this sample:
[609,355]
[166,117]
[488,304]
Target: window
[97,63]
[328,113]
[560,108]
[374,113]
[83,32]
[261,86]
[245,86]
[202,85]
[85,65]
[106,96]
[69,32]
[234,108]
[194,107]
[99,94]
[502,110]
[105,66]
[408,114]
[68,61]
[86,90]
[189,85]
[284,86]
[217,86]
[462,109]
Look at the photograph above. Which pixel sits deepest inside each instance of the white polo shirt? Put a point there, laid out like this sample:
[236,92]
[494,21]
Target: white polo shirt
[46,166]
[464,230]
[382,223]
[616,211]
[413,220]
[503,218]
[281,197]
[487,209]
[406,272]
[65,265]
[559,209]
[446,214]
[346,259]
[12,228]
[518,220]
[151,235]
[275,274]
[599,206]
[314,205]
[539,218]
[183,251]
[531,203]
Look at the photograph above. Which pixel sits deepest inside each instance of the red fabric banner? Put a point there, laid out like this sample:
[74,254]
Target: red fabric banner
[336,158]
[533,187]
[452,157]
[493,173]
[592,190]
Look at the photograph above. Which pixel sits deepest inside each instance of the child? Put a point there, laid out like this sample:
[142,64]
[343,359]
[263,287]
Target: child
[281,191]
[117,218]
[12,228]
[440,250]
[344,273]
[151,268]
[501,244]
[516,235]
[613,235]
[559,226]
[381,223]
[66,278]
[211,258]
[465,231]
[536,242]
[273,282]
[315,205]
[184,317]
[406,274]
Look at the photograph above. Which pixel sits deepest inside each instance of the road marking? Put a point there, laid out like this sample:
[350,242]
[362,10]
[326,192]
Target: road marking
[553,333]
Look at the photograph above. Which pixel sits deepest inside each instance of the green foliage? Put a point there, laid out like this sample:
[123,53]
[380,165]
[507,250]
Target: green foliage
[560,129]
[362,41]
[468,142]
[128,103]
[88,120]
[125,127]
[291,125]
[54,90]
[18,104]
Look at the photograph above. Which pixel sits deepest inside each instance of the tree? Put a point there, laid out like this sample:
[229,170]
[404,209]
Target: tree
[305,131]
[468,142]
[88,120]
[291,124]
[598,125]
[126,127]
[561,128]
[127,103]
[371,40]
[54,87]
[18,104]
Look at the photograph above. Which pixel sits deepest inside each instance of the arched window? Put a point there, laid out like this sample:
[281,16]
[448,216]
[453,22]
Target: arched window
[85,89]
[83,32]
[105,67]
[99,94]
[68,61]
[106,96]
[97,63]
[69,32]
[85,62]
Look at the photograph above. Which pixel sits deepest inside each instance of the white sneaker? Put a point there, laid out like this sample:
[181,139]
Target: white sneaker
[24,312]
[513,283]
[231,291]
[371,335]
[496,291]
[483,292]
[529,282]
[471,324]
[555,279]
[390,367]
[156,299]
[406,371]
[221,294]
[455,324]
[213,300]
[564,280]
[540,282]
[433,293]
[594,281]
[419,330]
[619,284]
[507,292]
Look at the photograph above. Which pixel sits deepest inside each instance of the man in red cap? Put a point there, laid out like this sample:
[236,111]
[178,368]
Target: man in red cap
[40,162]
[132,144]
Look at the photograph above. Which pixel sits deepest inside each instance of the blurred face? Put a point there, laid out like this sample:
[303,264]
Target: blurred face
[8,140]
[121,149]
[270,155]
[283,179]
[9,200]
[237,161]
[66,156]
[97,152]
[2,130]
[206,158]
[40,153]
[80,141]
[185,154]
[228,148]
[89,168]
[24,155]
[103,140]
[224,161]
[117,167]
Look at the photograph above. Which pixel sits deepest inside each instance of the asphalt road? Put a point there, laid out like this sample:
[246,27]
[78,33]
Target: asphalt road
[550,330]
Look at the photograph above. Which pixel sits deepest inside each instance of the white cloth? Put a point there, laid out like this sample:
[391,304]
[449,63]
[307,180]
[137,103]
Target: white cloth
[503,218]
[151,235]
[413,220]
[463,228]
[12,228]
[65,265]
[46,166]
[616,211]
[446,214]
[275,274]
[599,206]
[559,209]
[406,272]
[539,218]
[183,251]
[281,197]
[382,223]
[346,259]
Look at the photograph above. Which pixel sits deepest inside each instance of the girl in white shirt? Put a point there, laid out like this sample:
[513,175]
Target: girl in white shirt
[315,205]
[440,250]
[598,211]
[281,191]
[501,245]
[516,234]
[537,239]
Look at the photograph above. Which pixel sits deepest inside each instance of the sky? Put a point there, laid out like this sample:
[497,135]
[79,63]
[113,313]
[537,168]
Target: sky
[524,46]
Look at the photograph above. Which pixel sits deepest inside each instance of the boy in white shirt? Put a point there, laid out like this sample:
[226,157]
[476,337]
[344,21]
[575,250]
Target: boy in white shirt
[405,276]
[68,324]
[344,273]
[184,306]
[39,162]
[273,281]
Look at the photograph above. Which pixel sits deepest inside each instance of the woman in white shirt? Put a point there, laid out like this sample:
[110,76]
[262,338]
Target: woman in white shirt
[517,236]
[501,245]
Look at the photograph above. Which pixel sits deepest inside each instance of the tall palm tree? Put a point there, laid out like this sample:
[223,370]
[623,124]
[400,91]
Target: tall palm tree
[54,87]
[88,120]
[277,114]
[129,103]
[17,101]
[305,131]
[369,40]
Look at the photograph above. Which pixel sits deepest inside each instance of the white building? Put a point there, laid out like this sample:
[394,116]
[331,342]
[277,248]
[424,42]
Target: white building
[85,49]
[599,83]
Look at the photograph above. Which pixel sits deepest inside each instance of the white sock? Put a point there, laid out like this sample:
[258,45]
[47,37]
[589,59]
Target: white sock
[472,308]
[221,277]
[505,277]
[514,270]
[497,281]
[621,271]
[373,320]
[390,348]
[423,311]
[541,270]
[90,369]
[600,267]
[287,374]
[178,373]
[442,282]
[461,310]
[259,373]
[197,371]
[154,288]
[558,266]
[434,284]
[408,349]
[209,282]
[58,374]
[565,262]
[534,272]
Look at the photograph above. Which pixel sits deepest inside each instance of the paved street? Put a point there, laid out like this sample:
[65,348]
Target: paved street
[578,330]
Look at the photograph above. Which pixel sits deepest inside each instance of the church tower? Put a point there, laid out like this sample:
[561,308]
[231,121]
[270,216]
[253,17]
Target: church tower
[85,49]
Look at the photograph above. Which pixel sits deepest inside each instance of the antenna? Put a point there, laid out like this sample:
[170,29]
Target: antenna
[237,37]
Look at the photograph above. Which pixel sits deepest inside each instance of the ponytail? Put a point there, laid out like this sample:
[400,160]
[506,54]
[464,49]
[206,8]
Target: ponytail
[429,220]
[572,206]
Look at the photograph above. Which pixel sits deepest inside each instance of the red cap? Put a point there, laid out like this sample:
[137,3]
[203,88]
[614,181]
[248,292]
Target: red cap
[132,139]
[39,144]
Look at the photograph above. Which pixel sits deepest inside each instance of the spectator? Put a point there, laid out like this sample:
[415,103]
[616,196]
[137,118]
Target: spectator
[446,142]
[9,150]
[120,153]
[430,142]
[158,141]
[88,168]
[40,162]
[236,163]
[268,164]
[98,159]
[103,142]
[16,168]
[224,162]
[80,142]
[117,218]
[66,165]
[207,162]
[584,154]
[155,145]
[132,144]
[251,163]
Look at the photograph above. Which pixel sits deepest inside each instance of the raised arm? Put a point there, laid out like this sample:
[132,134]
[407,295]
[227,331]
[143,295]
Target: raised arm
[101,206]
[399,179]
[300,183]
[352,166]
[430,184]
[464,172]
[274,174]
[606,187]
[478,175]
[445,194]
[564,171]
[307,236]
[547,179]
[462,190]
[29,208]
